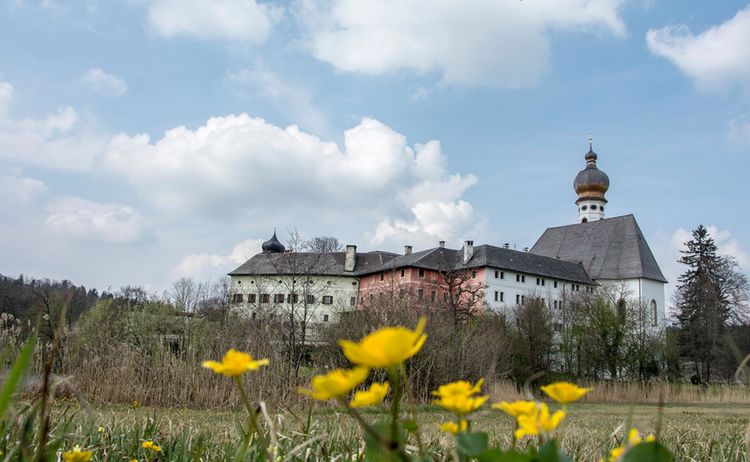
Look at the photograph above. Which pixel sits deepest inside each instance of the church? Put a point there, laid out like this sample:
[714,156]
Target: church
[593,253]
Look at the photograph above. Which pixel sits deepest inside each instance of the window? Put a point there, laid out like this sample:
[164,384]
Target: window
[523,278]
[543,302]
[278,298]
[473,274]
[310,299]
[542,282]
[497,296]
[621,309]
[518,278]
[523,298]
[325,318]
[253,315]
[445,297]
[502,275]
[237,298]
[370,297]
[554,304]
[381,276]
[601,208]
[264,298]
[433,296]
[421,273]
[292,298]
[538,281]
[502,296]
[353,301]
[555,284]
[251,298]
[584,208]
[518,299]
[420,294]
[497,274]
[654,314]
[402,273]
[327,299]
[593,207]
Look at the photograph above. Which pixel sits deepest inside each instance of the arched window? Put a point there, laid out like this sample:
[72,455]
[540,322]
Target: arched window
[584,220]
[593,207]
[585,207]
[654,314]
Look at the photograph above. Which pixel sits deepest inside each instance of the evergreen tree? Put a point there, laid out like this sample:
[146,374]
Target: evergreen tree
[703,308]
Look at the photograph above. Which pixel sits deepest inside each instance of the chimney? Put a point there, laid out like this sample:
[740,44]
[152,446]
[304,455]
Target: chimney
[468,251]
[441,244]
[351,257]
[506,245]
[407,250]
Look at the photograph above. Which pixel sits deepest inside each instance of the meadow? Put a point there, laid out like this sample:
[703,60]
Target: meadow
[694,432]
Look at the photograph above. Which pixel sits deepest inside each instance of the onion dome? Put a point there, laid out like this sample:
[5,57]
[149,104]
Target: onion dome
[273,245]
[591,183]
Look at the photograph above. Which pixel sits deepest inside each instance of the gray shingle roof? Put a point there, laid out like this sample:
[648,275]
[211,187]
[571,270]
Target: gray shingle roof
[312,263]
[613,248]
[442,259]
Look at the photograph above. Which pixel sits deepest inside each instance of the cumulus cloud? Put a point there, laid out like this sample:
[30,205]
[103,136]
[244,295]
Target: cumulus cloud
[76,218]
[199,264]
[715,59]
[485,42]
[242,164]
[104,83]
[17,190]
[225,20]
[727,245]
[58,140]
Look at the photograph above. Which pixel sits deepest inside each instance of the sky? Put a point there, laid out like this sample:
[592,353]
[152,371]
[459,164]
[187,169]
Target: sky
[146,140]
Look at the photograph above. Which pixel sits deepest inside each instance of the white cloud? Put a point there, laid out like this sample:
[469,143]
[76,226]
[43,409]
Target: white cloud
[59,140]
[484,42]
[739,129]
[103,83]
[726,244]
[22,191]
[715,59]
[199,264]
[226,20]
[291,100]
[76,218]
[241,164]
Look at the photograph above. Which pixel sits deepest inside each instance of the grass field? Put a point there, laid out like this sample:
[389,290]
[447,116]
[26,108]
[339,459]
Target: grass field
[710,432]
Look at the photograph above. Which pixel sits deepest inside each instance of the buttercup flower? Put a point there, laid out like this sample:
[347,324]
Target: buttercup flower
[454,427]
[235,363]
[150,445]
[76,455]
[538,421]
[370,397]
[336,383]
[516,408]
[386,347]
[459,388]
[565,392]
[458,397]
[634,439]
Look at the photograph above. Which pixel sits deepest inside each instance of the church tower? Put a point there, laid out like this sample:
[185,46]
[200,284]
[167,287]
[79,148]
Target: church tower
[591,184]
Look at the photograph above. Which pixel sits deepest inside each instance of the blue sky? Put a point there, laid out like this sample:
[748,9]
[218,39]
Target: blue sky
[415,121]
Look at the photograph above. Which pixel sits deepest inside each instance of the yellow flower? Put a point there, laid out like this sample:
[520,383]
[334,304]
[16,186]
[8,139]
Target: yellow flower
[454,427]
[336,383]
[634,439]
[374,395]
[151,445]
[461,404]
[565,392]
[386,347]
[459,388]
[133,460]
[538,421]
[76,455]
[100,429]
[516,408]
[616,453]
[235,363]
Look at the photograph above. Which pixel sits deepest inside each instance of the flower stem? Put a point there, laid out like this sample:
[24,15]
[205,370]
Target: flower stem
[395,403]
[253,426]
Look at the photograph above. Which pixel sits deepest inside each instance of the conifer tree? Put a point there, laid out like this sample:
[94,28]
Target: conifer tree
[703,307]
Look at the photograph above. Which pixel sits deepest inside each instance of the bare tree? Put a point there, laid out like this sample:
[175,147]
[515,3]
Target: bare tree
[323,244]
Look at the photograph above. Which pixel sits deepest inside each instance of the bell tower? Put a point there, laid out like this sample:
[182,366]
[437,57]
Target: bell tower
[591,184]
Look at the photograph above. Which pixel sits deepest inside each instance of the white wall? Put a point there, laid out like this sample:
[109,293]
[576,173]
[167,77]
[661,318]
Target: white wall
[645,291]
[510,287]
[341,288]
